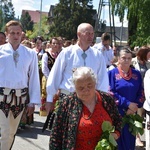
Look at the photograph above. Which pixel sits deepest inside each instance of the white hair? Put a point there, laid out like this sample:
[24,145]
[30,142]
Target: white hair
[83,72]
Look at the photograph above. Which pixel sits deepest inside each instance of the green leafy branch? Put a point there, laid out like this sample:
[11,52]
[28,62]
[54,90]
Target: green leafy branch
[135,123]
[107,141]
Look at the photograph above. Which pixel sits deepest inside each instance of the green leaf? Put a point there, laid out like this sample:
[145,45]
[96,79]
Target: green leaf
[107,141]
[138,124]
[135,123]
[112,140]
[106,126]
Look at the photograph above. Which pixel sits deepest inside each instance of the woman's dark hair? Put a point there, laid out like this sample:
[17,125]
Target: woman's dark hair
[124,49]
[142,53]
[3,34]
[54,38]
[38,38]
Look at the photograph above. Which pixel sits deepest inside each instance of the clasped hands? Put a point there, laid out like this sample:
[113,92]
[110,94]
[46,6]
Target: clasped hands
[132,108]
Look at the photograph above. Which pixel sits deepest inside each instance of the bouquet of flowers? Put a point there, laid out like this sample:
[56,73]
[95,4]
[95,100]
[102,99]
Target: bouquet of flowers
[107,141]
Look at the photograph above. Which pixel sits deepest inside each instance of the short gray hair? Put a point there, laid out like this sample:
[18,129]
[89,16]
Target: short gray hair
[83,72]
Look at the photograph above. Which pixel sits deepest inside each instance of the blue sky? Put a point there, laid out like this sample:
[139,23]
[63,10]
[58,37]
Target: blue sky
[35,5]
[19,5]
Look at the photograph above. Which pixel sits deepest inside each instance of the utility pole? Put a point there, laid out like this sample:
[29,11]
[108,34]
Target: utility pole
[99,29]
[40,18]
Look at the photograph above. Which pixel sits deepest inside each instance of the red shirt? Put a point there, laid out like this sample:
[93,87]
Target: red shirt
[89,128]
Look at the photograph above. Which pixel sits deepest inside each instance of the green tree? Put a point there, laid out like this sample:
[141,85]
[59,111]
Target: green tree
[26,22]
[1,18]
[6,11]
[44,29]
[68,14]
[138,19]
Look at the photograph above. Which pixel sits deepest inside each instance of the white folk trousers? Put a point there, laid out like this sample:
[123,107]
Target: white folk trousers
[9,125]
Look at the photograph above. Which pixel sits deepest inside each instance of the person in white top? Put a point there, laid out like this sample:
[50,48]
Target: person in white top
[38,47]
[48,60]
[105,48]
[72,57]
[146,106]
[18,78]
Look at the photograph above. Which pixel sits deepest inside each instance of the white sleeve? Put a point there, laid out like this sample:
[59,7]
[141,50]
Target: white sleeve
[45,69]
[103,82]
[55,76]
[34,82]
[147,90]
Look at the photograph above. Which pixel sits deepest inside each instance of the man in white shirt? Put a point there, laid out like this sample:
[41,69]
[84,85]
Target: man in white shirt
[18,78]
[105,48]
[72,57]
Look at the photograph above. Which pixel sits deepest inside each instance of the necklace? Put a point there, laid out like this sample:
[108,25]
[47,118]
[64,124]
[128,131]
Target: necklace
[126,76]
[88,117]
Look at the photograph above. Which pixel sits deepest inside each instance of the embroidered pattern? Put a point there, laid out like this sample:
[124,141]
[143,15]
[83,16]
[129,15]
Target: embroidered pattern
[13,103]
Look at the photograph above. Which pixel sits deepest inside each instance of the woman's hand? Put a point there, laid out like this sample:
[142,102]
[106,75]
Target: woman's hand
[130,112]
[133,107]
[115,136]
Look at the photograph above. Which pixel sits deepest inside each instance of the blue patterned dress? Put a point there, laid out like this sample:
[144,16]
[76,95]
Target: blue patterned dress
[124,92]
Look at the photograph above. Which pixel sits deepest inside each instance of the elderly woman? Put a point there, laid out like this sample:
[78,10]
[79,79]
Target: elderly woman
[126,87]
[79,116]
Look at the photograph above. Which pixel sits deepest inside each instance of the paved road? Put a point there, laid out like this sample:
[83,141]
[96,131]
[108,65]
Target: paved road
[32,137]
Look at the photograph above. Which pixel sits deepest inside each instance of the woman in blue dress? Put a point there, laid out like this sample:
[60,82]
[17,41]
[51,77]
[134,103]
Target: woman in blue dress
[126,87]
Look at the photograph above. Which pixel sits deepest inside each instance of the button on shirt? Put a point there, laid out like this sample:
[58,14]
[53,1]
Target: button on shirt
[22,73]
[70,58]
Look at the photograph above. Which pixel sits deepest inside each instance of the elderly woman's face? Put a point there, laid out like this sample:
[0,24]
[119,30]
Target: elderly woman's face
[125,59]
[85,88]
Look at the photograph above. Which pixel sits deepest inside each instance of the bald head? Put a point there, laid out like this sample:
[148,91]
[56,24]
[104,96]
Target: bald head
[85,34]
[83,26]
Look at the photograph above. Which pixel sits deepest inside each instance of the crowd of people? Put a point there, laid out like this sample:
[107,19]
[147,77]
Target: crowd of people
[78,85]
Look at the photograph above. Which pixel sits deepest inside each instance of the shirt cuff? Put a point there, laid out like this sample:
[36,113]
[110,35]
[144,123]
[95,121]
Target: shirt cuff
[49,98]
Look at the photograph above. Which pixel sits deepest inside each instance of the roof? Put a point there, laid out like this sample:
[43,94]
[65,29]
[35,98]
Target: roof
[35,14]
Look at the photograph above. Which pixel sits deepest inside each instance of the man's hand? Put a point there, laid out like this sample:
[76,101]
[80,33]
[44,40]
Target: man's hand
[49,107]
[30,110]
